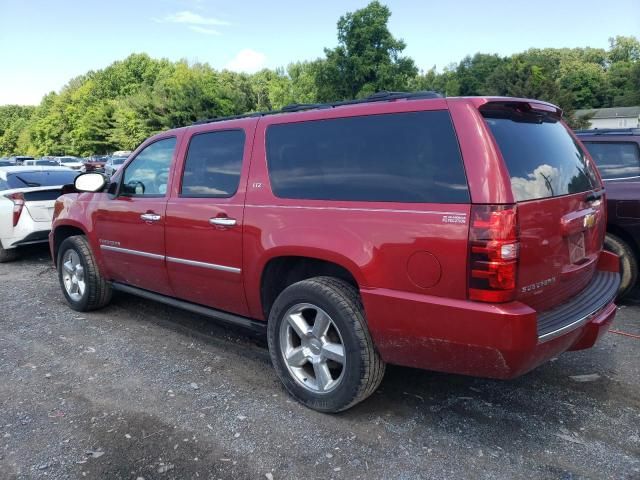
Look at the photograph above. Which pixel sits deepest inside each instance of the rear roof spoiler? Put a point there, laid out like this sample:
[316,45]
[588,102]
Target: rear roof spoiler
[527,111]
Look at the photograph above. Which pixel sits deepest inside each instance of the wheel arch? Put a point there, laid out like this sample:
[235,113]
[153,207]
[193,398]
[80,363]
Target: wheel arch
[60,233]
[284,268]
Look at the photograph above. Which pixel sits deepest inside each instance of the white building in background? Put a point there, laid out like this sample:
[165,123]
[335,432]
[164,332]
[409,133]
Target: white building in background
[615,117]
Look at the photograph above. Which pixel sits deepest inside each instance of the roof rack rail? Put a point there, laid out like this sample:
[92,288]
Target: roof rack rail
[383,96]
[609,131]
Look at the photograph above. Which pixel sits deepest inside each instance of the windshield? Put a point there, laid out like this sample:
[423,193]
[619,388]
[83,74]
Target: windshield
[69,160]
[542,158]
[40,179]
[118,161]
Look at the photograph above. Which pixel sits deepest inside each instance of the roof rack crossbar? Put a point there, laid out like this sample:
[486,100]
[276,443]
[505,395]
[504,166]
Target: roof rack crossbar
[383,96]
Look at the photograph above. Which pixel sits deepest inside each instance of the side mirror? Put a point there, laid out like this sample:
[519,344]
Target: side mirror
[90,182]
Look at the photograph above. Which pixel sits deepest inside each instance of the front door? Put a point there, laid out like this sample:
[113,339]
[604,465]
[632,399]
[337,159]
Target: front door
[204,220]
[130,225]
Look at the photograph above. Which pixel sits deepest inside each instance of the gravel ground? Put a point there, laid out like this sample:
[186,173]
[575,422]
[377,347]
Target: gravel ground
[141,390]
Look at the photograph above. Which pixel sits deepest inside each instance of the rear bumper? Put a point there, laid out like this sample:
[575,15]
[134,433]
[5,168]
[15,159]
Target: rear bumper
[27,231]
[472,338]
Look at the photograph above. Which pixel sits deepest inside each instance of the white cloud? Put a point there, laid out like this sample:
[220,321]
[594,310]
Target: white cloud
[544,181]
[248,61]
[205,30]
[191,18]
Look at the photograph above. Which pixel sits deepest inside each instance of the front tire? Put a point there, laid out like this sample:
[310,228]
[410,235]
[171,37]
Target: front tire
[628,263]
[320,346]
[83,286]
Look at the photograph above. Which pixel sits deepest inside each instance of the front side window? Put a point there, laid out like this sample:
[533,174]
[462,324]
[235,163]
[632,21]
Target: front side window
[615,159]
[399,157]
[213,164]
[148,173]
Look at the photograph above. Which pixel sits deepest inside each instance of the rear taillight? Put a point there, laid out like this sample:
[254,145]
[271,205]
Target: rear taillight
[493,253]
[18,205]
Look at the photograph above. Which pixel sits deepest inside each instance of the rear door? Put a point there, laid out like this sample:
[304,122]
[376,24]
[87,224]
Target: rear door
[559,199]
[205,217]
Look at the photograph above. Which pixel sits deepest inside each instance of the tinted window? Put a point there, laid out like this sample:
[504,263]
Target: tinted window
[402,157]
[212,167]
[40,179]
[542,158]
[616,160]
[148,173]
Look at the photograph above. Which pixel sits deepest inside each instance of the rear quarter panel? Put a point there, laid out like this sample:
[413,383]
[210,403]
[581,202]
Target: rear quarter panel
[378,242]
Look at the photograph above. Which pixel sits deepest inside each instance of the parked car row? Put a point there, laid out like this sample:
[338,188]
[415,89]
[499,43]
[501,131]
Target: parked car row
[463,235]
[95,163]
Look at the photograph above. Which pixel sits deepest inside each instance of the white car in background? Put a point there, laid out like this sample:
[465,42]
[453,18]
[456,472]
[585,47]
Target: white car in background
[112,165]
[27,198]
[73,163]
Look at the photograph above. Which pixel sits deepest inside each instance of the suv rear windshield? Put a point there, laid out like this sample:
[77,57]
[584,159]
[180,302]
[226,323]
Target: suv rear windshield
[542,158]
[400,157]
[615,159]
[40,179]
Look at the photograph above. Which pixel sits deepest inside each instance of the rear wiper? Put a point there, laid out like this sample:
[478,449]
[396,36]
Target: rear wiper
[28,184]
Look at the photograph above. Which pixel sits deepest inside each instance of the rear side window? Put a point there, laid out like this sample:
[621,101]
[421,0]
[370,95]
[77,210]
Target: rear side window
[542,158]
[213,164]
[615,159]
[400,157]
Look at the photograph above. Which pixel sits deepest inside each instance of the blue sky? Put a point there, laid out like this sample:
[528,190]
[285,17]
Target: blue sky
[45,43]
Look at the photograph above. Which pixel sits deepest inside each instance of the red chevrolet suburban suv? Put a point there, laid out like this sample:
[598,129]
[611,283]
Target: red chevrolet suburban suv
[455,234]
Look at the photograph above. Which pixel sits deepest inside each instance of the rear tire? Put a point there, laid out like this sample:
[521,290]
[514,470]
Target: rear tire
[83,286]
[628,263]
[336,366]
[8,255]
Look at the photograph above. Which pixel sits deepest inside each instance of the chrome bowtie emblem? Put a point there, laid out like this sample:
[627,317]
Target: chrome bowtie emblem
[589,220]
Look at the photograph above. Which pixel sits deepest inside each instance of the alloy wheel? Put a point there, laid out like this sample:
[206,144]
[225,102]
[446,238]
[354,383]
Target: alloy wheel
[312,348]
[73,275]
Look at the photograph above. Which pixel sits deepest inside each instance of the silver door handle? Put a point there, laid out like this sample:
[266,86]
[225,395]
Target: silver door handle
[223,221]
[150,217]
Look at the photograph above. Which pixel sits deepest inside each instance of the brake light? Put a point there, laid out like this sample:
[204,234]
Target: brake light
[18,205]
[494,250]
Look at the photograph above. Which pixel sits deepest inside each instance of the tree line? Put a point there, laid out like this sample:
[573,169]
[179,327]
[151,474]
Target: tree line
[118,107]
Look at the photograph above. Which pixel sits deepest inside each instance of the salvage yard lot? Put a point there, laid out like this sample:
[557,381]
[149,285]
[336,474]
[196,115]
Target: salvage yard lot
[144,390]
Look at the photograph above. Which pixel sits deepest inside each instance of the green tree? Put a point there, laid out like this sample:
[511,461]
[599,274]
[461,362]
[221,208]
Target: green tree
[586,82]
[14,120]
[367,59]
[472,72]
[119,106]
[624,49]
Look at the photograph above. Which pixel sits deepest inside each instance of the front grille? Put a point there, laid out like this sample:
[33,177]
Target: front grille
[578,309]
